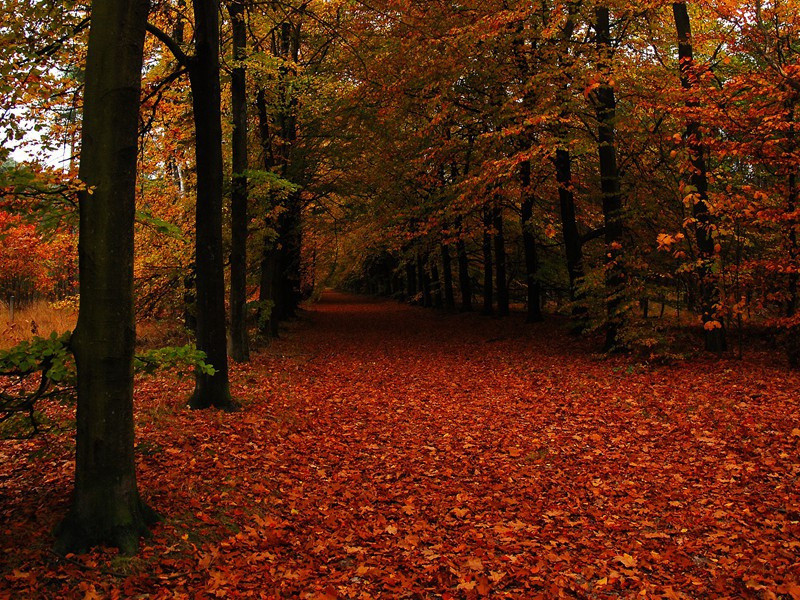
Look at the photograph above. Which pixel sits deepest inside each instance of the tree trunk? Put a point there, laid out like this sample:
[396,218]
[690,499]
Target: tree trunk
[288,293]
[500,261]
[424,281]
[267,323]
[792,343]
[713,326]
[106,507]
[534,312]
[240,351]
[606,104]
[447,268]
[569,226]
[488,276]
[464,282]
[210,390]
[436,284]
[411,282]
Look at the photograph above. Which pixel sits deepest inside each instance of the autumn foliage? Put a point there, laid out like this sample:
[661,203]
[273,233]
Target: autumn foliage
[561,357]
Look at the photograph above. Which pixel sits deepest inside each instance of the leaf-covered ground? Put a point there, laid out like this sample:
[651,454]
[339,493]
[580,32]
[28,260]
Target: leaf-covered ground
[390,452]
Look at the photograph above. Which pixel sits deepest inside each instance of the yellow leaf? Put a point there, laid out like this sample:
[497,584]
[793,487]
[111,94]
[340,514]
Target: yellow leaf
[627,560]
[476,564]
[467,585]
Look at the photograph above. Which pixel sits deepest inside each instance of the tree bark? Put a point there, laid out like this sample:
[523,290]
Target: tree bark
[424,281]
[210,390]
[436,285]
[715,338]
[606,104]
[447,271]
[500,260]
[240,350]
[464,282]
[488,275]
[287,297]
[267,323]
[534,310]
[106,506]
[569,226]
[411,282]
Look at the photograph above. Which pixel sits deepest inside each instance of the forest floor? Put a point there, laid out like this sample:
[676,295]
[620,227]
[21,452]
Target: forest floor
[385,451]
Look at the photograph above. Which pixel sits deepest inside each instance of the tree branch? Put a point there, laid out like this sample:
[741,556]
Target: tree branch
[171,44]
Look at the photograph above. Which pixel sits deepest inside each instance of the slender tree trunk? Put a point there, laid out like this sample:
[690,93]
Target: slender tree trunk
[500,261]
[534,312]
[488,273]
[573,245]
[447,269]
[793,331]
[424,281]
[569,225]
[464,282]
[240,350]
[210,390]
[106,507]
[288,292]
[411,282]
[713,325]
[267,323]
[436,284]
[794,252]
[609,184]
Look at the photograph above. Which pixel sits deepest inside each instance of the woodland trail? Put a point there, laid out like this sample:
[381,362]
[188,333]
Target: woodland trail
[386,451]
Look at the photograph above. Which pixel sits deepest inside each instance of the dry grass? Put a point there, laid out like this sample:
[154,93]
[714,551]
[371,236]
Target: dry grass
[40,318]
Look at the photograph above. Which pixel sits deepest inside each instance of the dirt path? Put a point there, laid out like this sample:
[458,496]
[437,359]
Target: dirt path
[392,452]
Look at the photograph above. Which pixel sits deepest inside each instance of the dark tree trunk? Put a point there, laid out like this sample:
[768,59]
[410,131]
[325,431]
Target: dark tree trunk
[534,312]
[715,339]
[424,281]
[569,225]
[287,283]
[240,350]
[436,284]
[573,245]
[421,280]
[210,390]
[267,323]
[287,290]
[411,282]
[792,343]
[447,269]
[500,261]
[464,282]
[794,251]
[488,275]
[106,507]
[606,104]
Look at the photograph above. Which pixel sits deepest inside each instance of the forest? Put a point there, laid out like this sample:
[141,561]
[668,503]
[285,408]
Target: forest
[332,299]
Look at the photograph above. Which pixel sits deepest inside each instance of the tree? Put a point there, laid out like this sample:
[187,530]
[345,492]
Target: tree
[203,68]
[606,105]
[210,390]
[240,350]
[106,506]
[714,331]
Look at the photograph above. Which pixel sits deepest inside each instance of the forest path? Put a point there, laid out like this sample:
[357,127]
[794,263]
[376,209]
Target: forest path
[388,451]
